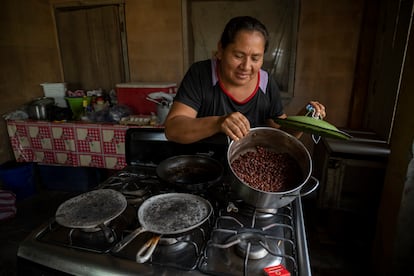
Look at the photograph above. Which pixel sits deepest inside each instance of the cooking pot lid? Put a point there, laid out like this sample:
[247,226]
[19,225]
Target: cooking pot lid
[91,209]
[43,101]
[312,125]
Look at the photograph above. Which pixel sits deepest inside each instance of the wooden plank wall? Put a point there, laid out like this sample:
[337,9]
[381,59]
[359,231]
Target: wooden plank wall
[327,48]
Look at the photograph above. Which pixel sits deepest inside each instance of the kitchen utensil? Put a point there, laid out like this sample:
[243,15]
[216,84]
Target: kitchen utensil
[162,96]
[312,125]
[152,100]
[190,172]
[40,108]
[280,142]
[92,210]
[162,111]
[167,214]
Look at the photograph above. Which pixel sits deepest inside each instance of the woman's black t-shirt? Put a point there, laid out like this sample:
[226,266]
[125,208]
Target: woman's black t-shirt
[200,89]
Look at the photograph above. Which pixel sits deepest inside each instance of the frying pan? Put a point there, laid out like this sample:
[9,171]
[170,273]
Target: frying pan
[167,214]
[190,172]
[91,210]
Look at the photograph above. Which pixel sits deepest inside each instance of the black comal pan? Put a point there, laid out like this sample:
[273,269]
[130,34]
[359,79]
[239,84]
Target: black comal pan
[92,211]
[167,214]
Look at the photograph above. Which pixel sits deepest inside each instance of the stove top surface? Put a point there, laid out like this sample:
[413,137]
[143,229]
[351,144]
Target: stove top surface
[237,239]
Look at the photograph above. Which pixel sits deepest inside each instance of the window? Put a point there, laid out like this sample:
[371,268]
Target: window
[204,21]
[92,44]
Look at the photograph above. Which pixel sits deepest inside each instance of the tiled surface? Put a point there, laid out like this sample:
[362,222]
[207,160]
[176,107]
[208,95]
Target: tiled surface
[331,253]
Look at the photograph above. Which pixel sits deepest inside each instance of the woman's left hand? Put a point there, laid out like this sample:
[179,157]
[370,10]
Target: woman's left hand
[320,110]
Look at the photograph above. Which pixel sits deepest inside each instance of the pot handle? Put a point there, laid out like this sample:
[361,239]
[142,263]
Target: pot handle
[108,233]
[145,252]
[120,245]
[311,188]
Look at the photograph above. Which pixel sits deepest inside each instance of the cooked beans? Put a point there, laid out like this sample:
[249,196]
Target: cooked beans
[267,171]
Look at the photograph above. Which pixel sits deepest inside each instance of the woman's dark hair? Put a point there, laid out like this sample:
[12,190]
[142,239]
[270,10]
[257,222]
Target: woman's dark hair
[242,23]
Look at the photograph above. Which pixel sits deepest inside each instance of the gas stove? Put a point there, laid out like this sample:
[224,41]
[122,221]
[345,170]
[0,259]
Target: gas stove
[237,239]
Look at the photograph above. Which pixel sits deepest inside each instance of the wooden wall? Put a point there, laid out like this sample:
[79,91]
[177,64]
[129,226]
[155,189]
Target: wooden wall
[327,50]
[28,57]
[326,56]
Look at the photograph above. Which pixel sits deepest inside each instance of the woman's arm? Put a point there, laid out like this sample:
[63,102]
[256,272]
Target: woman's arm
[183,126]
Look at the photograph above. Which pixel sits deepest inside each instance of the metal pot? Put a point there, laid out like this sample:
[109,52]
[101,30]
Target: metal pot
[190,172]
[40,109]
[279,142]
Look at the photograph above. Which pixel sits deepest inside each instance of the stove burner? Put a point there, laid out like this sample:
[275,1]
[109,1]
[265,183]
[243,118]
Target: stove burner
[251,244]
[171,245]
[167,241]
[248,210]
[81,238]
[136,185]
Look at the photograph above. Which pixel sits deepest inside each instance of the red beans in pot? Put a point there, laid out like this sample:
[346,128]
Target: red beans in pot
[268,171]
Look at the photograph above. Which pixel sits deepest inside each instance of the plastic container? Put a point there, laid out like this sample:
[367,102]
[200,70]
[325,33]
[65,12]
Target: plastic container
[134,95]
[76,105]
[57,91]
[18,178]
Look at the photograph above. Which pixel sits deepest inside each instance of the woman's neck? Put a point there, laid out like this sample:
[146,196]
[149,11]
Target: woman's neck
[239,93]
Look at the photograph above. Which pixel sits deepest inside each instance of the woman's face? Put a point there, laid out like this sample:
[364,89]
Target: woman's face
[240,61]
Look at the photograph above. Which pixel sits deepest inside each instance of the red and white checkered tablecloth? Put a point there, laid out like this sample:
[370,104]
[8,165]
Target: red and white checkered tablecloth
[69,144]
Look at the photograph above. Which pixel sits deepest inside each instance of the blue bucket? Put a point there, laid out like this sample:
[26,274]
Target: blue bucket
[18,178]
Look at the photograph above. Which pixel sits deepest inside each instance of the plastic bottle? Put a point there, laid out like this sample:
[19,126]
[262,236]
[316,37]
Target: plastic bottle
[84,114]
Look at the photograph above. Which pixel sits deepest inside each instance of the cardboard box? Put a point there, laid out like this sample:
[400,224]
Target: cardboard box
[134,95]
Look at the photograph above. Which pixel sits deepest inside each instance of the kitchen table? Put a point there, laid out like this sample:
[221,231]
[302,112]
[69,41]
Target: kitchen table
[100,145]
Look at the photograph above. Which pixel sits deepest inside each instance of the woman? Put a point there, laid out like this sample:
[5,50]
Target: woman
[229,93]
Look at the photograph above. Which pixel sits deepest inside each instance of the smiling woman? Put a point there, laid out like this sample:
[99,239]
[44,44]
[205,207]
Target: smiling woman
[204,20]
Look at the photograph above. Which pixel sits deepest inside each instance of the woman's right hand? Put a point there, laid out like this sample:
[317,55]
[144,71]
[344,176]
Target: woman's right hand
[235,125]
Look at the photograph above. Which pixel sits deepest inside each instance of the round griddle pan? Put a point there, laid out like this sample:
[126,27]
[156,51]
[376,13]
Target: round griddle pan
[92,210]
[167,214]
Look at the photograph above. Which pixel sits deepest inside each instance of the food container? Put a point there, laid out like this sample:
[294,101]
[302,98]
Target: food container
[76,105]
[280,142]
[57,91]
[134,95]
[40,108]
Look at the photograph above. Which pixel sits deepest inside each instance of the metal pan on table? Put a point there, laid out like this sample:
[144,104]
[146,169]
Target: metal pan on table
[92,211]
[167,214]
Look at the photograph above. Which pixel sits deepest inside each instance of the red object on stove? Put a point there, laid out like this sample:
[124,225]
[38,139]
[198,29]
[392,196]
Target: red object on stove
[278,270]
